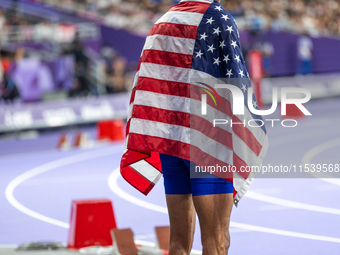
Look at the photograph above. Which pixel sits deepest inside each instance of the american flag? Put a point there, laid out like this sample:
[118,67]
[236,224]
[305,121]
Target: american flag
[195,39]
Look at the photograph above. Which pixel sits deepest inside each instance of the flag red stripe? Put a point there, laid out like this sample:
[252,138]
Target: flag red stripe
[197,7]
[184,119]
[175,30]
[166,58]
[247,136]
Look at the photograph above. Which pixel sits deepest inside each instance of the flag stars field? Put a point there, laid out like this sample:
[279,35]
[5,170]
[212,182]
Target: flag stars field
[218,45]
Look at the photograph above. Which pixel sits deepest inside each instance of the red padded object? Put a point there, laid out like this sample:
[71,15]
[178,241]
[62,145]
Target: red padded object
[112,130]
[90,223]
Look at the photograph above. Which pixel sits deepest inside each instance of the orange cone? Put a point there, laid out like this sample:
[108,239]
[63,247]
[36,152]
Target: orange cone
[81,140]
[63,142]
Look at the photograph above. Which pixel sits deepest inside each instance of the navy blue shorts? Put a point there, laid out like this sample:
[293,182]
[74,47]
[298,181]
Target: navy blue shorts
[177,181]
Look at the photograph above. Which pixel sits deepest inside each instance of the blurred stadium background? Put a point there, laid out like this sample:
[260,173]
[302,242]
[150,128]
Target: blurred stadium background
[66,72]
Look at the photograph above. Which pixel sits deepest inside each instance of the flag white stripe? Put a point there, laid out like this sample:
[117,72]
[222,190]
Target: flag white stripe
[178,17]
[163,72]
[162,101]
[158,129]
[170,44]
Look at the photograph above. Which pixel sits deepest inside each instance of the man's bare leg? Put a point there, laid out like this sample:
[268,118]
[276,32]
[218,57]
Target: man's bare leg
[214,216]
[182,223]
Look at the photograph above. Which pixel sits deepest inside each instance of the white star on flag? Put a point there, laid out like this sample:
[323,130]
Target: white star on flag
[211,48]
[241,73]
[248,74]
[217,61]
[229,73]
[237,58]
[199,54]
[226,58]
[229,29]
[244,88]
[210,21]
[234,43]
[218,8]
[225,17]
[222,44]
[203,36]
[217,31]
[255,104]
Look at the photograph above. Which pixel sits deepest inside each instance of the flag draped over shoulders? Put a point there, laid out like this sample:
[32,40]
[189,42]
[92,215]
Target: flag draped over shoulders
[195,39]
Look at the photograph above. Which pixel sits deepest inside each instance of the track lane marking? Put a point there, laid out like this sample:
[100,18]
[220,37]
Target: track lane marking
[9,192]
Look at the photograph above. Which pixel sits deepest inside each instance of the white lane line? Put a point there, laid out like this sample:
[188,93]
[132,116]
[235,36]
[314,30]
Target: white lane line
[113,184]
[7,246]
[9,192]
[307,158]
[288,203]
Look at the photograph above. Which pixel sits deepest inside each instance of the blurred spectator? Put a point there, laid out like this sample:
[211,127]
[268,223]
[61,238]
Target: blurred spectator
[116,79]
[6,60]
[8,89]
[82,86]
[2,19]
[267,50]
[305,54]
[44,31]
[314,16]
